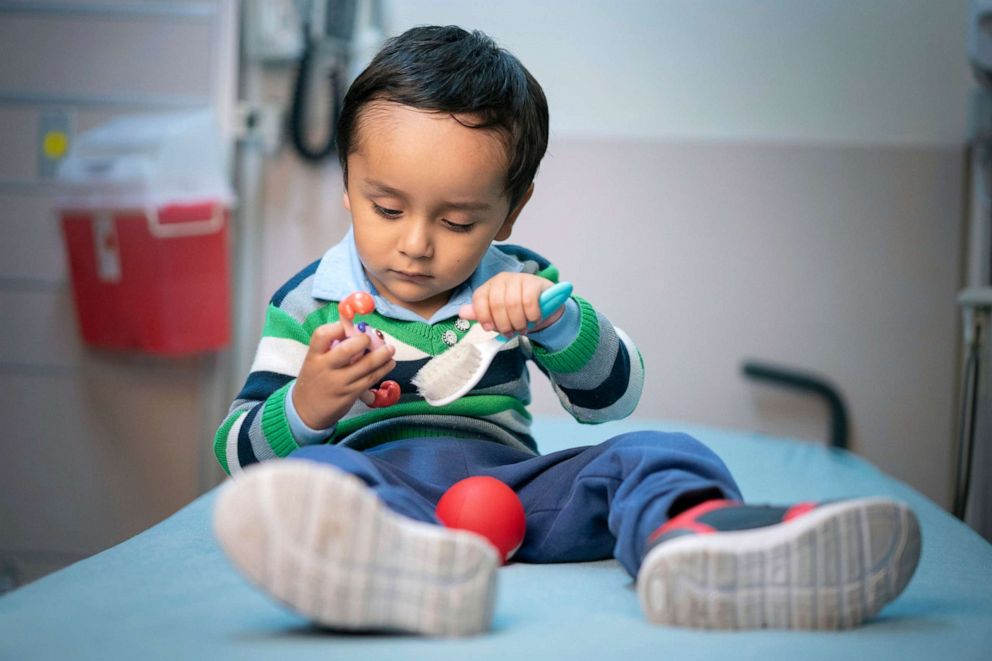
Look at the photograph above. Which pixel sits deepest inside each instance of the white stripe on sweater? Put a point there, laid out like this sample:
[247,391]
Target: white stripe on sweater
[233,467]
[285,356]
[404,351]
[279,355]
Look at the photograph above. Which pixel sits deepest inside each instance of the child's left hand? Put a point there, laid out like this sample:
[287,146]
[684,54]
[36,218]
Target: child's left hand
[508,302]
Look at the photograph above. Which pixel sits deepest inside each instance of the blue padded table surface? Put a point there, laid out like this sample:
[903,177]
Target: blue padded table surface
[169,593]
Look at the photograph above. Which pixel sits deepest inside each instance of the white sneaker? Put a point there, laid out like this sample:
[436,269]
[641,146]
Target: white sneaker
[321,542]
[724,565]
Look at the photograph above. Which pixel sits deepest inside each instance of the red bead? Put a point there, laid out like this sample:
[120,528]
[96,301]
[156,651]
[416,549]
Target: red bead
[486,506]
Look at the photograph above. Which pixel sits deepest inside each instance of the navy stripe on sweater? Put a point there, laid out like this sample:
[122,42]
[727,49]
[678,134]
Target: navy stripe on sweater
[262,384]
[507,366]
[609,391]
[403,373]
[246,455]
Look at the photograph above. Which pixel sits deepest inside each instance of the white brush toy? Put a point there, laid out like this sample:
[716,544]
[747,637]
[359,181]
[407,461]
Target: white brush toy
[450,375]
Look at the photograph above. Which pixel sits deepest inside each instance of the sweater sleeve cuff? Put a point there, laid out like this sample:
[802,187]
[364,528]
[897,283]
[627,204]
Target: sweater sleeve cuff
[303,434]
[275,425]
[563,332]
[573,357]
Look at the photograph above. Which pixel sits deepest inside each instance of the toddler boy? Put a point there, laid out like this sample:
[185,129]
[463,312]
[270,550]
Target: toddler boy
[439,140]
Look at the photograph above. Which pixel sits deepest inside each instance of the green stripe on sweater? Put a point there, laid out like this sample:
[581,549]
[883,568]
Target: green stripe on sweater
[423,336]
[275,426]
[326,314]
[470,405]
[220,438]
[281,324]
[550,273]
[577,354]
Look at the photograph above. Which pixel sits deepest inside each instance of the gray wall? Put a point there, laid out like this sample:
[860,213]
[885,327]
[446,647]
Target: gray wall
[837,260]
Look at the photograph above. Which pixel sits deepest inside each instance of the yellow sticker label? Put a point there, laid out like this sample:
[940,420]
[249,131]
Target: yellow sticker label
[55,144]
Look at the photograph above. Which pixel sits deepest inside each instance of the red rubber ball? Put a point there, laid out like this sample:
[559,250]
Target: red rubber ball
[486,506]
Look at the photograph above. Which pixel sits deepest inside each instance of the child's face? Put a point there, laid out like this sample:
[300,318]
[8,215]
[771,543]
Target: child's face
[426,197]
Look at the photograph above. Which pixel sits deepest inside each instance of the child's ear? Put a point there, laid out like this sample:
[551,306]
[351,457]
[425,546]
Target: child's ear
[347,202]
[507,228]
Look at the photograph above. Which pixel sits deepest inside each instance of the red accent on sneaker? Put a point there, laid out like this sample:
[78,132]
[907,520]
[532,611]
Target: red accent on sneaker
[687,519]
[798,510]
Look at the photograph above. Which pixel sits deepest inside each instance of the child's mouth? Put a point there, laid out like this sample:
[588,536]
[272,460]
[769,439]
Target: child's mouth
[412,277]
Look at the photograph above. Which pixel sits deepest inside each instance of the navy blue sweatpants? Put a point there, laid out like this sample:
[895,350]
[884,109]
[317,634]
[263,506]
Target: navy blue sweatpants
[588,503]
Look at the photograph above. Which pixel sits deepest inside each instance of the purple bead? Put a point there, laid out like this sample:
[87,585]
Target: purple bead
[361,326]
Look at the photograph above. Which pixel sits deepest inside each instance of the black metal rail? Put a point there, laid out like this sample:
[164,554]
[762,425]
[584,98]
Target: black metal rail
[809,383]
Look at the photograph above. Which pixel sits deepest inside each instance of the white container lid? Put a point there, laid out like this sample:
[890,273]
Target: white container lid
[146,161]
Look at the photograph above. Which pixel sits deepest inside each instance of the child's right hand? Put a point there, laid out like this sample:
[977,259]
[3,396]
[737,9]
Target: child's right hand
[329,382]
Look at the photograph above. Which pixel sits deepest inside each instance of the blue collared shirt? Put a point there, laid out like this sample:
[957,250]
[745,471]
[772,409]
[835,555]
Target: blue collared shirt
[340,273]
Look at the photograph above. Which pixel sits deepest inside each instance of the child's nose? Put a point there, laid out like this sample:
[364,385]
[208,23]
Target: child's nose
[416,241]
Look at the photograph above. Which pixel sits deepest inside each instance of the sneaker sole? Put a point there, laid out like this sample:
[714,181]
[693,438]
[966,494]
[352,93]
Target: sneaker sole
[831,568]
[321,542]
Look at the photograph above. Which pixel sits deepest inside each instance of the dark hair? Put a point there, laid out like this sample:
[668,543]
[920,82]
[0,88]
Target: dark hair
[450,70]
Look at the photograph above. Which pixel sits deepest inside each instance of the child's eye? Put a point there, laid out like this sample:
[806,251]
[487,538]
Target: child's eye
[458,227]
[384,212]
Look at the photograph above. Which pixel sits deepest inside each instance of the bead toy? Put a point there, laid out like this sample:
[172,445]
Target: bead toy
[388,392]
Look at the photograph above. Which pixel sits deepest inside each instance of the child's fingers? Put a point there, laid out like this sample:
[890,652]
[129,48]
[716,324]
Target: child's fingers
[347,351]
[324,336]
[376,377]
[507,304]
[371,368]
[480,305]
[517,305]
[532,300]
[496,307]
[508,313]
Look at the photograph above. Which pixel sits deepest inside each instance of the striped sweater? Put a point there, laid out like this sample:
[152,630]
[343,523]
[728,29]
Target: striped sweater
[598,377]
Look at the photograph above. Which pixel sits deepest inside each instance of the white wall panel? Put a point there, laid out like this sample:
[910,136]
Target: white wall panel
[833,71]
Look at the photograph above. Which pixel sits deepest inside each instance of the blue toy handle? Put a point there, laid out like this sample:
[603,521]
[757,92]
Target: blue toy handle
[554,297]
